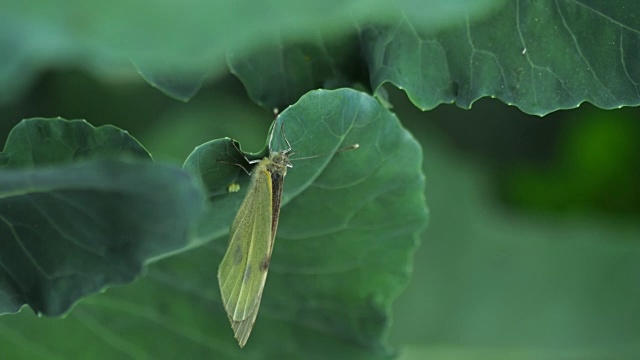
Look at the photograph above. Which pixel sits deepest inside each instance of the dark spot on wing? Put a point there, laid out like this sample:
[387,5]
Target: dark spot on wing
[265,264]
[247,274]
[237,255]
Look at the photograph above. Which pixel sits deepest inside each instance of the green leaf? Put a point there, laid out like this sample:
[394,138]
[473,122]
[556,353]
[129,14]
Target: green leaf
[89,221]
[346,218]
[347,233]
[539,56]
[179,84]
[37,142]
[279,74]
[213,163]
[187,38]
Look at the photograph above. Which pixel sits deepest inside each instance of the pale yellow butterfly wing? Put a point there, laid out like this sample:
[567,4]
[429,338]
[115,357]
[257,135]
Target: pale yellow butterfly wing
[243,270]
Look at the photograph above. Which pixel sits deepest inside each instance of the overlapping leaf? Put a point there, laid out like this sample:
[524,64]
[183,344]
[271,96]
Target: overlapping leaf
[539,56]
[341,214]
[175,44]
[78,212]
[348,229]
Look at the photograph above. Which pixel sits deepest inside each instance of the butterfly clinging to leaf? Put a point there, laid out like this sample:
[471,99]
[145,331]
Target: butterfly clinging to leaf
[243,271]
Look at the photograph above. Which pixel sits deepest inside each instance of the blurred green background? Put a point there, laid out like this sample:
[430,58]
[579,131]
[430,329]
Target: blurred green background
[533,246]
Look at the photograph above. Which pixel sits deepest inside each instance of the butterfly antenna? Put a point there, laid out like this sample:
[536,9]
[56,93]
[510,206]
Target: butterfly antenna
[354,146]
[285,139]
